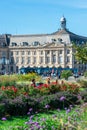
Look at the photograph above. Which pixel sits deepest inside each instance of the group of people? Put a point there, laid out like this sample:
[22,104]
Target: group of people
[47,82]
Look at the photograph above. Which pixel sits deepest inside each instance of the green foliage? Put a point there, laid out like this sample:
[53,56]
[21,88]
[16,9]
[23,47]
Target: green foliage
[16,106]
[83,83]
[2,109]
[80,53]
[85,73]
[76,119]
[28,77]
[11,80]
[33,91]
[14,123]
[66,73]
[8,80]
[21,104]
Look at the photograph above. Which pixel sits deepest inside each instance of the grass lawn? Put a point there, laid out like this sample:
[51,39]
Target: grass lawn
[49,119]
[13,122]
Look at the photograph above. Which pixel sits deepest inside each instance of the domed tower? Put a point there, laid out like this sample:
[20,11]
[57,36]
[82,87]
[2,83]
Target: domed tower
[63,22]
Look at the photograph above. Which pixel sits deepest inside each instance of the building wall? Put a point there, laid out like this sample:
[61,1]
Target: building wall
[40,56]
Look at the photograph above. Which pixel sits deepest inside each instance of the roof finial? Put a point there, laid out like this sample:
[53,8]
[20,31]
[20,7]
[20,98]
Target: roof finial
[63,22]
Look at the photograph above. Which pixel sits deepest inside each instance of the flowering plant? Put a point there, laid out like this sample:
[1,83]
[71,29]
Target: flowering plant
[10,91]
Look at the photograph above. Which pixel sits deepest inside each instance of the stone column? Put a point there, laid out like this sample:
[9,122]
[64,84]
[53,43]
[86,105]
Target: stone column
[31,57]
[44,57]
[37,58]
[57,57]
[50,57]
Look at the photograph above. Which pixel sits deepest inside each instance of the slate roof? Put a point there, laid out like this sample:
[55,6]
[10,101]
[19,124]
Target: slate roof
[72,35]
[3,39]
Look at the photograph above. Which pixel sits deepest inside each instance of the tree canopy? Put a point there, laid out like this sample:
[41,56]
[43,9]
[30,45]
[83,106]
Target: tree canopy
[81,53]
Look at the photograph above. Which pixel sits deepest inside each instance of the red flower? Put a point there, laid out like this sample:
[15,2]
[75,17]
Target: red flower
[46,85]
[3,88]
[54,83]
[14,89]
[39,87]
[25,93]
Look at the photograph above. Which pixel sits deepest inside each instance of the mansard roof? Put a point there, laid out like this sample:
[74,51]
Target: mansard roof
[72,36]
[2,39]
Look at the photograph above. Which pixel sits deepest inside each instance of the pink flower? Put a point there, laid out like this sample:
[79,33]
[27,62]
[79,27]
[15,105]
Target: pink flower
[3,119]
[62,98]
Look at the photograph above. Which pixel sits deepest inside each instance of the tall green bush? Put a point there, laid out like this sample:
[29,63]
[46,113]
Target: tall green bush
[65,74]
[85,73]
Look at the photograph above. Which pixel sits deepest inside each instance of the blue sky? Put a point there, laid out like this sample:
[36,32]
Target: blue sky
[42,16]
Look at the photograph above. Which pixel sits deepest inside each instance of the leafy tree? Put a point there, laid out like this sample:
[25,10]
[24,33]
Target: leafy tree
[66,73]
[85,73]
[80,52]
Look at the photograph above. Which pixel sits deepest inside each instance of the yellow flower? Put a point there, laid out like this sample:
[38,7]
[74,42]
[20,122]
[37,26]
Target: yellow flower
[61,122]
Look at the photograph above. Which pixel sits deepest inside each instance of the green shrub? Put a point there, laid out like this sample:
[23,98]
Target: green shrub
[16,106]
[21,104]
[66,73]
[83,83]
[85,73]
[28,77]
[8,80]
[2,109]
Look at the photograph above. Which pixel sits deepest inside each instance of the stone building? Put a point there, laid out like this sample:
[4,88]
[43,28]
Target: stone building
[40,50]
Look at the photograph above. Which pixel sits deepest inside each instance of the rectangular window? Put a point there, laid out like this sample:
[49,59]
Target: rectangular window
[29,52]
[41,52]
[34,52]
[54,59]
[22,53]
[11,69]
[68,51]
[48,52]
[11,53]
[60,60]
[3,60]
[60,51]
[22,60]
[68,59]
[28,60]
[16,69]
[48,59]
[54,52]
[17,60]
[34,60]
[12,60]
[41,60]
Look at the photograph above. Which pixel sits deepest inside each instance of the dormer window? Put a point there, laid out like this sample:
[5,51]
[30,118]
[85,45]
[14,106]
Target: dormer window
[36,43]
[25,43]
[59,39]
[14,44]
[53,40]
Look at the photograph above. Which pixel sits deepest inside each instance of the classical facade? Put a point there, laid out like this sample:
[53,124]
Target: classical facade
[40,50]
